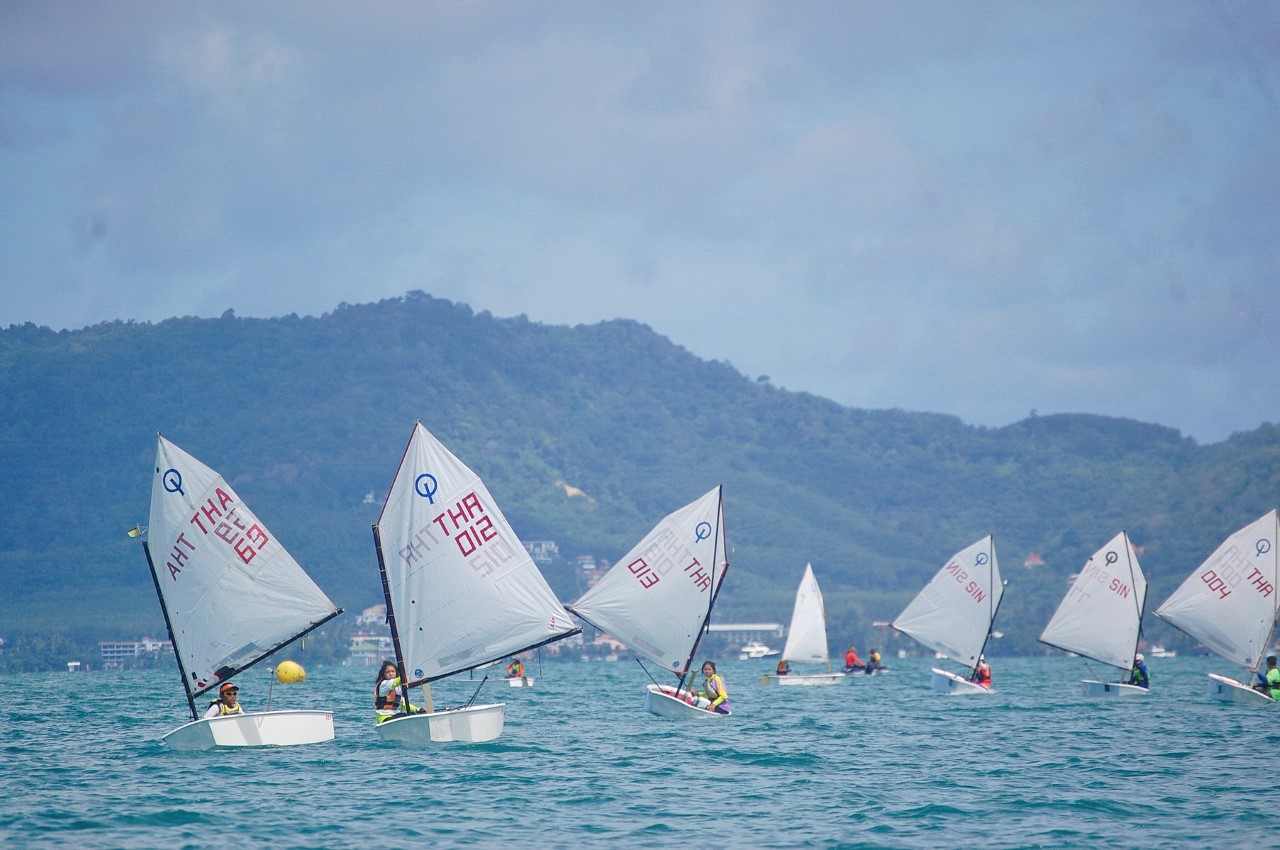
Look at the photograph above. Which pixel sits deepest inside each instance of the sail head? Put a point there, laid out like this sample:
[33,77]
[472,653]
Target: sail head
[807,634]
[462,589]
[952,615]
[233,593]
[657,598]
[1101,615]
[1229,603]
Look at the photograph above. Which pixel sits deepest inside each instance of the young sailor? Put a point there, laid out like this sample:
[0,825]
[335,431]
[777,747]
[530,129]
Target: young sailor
[982,673]
[1139,675]
[226,703]
[387,700]
[713,689]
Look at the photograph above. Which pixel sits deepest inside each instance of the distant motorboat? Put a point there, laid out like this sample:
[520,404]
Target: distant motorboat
[755,649]
[1161,652]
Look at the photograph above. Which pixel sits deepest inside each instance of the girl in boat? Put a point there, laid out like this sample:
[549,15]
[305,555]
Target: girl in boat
[386,693]
[713,689]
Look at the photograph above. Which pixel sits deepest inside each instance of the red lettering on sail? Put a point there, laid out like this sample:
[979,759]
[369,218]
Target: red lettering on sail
[178,557]
[640,569]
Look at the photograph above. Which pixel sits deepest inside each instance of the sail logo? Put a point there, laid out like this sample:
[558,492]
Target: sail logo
[425,485]
[172,480]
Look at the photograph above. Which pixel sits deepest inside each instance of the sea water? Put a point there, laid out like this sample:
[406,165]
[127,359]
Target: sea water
[879,761]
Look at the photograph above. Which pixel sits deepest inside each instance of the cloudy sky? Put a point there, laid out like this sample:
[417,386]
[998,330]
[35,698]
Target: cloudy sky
[973,208]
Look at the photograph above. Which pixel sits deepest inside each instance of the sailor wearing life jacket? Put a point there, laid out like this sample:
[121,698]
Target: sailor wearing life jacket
[386,692]
[982,673]
[226,703]
[714,690]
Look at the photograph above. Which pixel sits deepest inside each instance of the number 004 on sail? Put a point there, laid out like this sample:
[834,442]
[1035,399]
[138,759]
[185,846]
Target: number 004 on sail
[1230,602]
[231,596]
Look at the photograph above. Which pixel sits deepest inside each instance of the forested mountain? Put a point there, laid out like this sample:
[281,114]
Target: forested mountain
[585,436]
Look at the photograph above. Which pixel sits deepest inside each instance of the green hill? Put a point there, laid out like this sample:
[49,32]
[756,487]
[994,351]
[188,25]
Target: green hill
[586,436]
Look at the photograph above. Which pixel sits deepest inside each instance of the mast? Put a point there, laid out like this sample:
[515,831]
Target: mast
[715,590]
[391,615]
[1133,582]
[991,583]
[168,625]
[1275,594]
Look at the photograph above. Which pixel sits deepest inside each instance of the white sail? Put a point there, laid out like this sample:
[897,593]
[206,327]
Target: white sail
[1101,615]
[657,598]
[807,635]
[954,612]
[231,591]
[461,589]
[1229,603]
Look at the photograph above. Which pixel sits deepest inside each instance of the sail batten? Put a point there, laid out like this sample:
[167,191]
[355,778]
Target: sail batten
[460,587]
[1229,603]
[953,614]
[1100,617]
[231,592]
[657,598]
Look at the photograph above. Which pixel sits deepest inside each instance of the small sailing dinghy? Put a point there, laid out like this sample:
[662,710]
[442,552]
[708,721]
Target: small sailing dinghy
[231,596]
[807,637]
[1229,604]
[953,614]
[461,590]
[658,600]
[1100,618]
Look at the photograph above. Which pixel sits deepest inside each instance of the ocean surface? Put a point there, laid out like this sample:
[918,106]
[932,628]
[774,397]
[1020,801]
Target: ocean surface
[877,761]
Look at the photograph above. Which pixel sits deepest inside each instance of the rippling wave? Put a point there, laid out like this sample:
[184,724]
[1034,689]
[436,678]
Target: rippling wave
[880,762]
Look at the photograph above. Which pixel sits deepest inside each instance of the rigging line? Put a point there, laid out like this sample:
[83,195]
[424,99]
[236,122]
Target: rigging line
[477,691]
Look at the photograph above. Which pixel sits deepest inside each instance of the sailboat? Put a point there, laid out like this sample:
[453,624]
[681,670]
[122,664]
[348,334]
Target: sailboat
[1100,618]
[1229,604]
[807,637]
[953,614]
[231,595]
[658,599]
[461,590]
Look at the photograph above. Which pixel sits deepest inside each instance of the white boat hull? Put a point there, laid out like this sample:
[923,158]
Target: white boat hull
[663,701]
[471,724]
[946,682]
[520,682]
[803,680]
[1095,688]
[1229,690]
[254,729]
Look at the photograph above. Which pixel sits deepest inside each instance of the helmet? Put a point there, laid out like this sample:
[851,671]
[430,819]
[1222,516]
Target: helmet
[1138,659]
